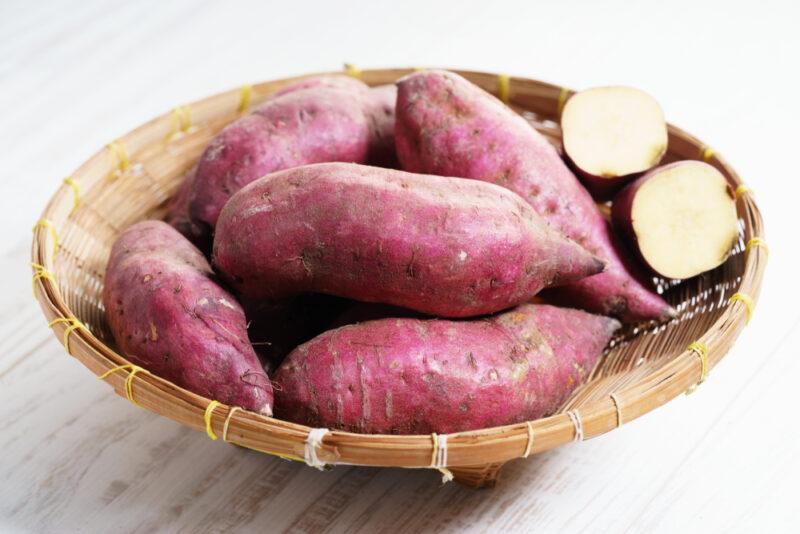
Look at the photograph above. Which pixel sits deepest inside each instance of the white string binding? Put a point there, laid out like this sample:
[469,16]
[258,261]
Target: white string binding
[314,440]
[575,416]
[439,456]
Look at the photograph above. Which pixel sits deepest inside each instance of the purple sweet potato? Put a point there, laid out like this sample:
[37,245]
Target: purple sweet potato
[169,316]
[442,246]
[413,376]
[448,126]
[316,123]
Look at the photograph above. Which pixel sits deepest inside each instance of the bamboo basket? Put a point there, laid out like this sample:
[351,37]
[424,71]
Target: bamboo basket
[131,179]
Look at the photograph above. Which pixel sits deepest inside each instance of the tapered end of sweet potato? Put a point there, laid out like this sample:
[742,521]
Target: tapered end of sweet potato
[575,263]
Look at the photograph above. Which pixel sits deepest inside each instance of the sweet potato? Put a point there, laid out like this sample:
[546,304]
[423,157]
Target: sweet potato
[169,316]
[442,246]
[310,124]
[412,376]
[448,126]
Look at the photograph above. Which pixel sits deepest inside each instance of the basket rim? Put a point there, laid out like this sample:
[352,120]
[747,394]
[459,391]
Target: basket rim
[471,448]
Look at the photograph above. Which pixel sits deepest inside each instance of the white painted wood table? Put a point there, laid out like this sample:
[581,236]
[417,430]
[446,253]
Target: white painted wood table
[76,458]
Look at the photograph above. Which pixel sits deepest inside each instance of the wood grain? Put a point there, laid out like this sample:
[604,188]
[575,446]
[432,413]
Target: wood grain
[78,458]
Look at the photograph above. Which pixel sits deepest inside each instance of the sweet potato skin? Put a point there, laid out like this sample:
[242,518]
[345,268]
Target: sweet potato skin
[412,376]
[169,316]
[305,124]
[446,125]
[442,246]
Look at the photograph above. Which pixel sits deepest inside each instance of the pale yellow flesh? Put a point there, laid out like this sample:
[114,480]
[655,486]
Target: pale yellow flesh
[614,131]
[684,218]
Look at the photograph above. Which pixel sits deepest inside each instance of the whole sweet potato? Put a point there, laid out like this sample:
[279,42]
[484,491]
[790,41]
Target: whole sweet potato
[448,126]
[309,124]
[443,246]
[169,316]
[412,376]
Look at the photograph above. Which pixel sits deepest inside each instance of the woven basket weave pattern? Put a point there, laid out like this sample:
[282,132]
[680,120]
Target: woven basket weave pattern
[133,178]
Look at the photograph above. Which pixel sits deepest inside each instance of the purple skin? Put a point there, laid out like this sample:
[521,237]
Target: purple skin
[380,109]
[442,246]
[446,125]
[314,124]
[169,316]
[412,376]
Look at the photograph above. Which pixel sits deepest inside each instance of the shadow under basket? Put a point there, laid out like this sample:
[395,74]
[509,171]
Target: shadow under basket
[132,178]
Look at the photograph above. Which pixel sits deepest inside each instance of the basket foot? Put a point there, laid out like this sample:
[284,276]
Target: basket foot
[477,476]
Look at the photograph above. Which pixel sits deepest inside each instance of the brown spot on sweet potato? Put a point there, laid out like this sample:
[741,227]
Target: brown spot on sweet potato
[146,278]
[153,332]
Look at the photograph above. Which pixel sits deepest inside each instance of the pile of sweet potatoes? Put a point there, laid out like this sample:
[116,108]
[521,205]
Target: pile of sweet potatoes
[379,250]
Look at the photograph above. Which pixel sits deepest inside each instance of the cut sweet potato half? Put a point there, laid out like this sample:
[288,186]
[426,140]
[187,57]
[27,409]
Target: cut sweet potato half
[680,218]
[611,134]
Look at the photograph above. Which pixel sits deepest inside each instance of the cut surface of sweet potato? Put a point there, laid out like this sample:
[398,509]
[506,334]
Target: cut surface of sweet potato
[681,218]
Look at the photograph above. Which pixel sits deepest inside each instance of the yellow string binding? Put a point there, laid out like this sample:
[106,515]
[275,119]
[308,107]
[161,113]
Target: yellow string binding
[76,190]
[207,418]
[562,99]
[40,273]
[352,70]
[702,352]
[746,300]
[756,242]
[120,157]
[132,370]
[742,190]
[503,87]
[72,324]
[46,223]
[181,121]
[706,153]
[245,95]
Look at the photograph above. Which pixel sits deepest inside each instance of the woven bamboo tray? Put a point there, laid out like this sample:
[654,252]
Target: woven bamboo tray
[133,177]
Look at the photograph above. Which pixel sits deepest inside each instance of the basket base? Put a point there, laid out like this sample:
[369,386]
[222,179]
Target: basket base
[477,476]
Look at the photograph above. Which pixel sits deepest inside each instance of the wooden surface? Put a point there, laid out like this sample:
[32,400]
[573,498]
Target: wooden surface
[74,75]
